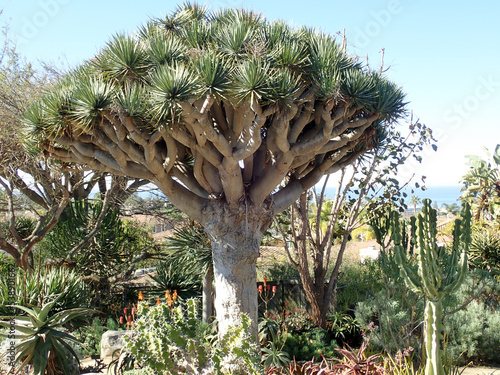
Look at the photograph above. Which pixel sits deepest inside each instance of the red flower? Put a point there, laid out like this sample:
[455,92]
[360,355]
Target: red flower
[274,289]
[129,318]
[260,288]
[125,311]
[121,319]
[268,287]
[265,281]
[133,310]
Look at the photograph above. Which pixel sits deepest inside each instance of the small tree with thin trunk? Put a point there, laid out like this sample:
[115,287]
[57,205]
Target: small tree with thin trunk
[363,189]
[218,109]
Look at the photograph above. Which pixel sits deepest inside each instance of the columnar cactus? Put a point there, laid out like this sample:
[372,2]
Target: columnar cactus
[437,276]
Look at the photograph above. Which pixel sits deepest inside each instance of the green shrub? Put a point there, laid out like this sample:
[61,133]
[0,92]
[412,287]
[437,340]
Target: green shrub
[90,337]
[472,334]
[174,340]
[311,345]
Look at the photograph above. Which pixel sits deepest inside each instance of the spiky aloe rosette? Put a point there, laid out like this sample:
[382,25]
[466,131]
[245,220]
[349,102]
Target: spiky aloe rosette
[438,275]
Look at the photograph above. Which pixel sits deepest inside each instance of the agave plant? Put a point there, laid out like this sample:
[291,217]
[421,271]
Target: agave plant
[32,289]
[44,344]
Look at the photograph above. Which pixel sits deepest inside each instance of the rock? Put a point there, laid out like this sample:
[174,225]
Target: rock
[112,342]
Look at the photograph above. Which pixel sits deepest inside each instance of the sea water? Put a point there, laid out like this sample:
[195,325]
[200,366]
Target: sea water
[439,195]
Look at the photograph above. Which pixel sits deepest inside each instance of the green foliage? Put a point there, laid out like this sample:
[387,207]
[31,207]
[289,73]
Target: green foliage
[484,251]
[186,280]
[481,186]
[395,314]
[280,271]
[356,282]
[477,340]
[190,247]
[391,311]
[36,288]
[111,250]
[89,337]
[43,342]
[24,226]
[312,344]
[174,340]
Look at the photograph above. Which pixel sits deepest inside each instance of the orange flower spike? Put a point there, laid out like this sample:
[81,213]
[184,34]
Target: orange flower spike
[174,297]
[167,294]
[140,297]
[158,302]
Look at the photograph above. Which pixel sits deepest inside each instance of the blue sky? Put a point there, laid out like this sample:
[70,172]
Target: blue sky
[445,54]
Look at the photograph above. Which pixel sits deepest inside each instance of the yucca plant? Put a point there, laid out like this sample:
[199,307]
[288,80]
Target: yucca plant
[43,341]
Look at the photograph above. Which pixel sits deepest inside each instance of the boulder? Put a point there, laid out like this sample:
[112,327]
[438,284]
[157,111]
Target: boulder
[112,342]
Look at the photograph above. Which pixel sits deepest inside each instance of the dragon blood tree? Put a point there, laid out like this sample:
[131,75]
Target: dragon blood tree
[438,275]
[230,115]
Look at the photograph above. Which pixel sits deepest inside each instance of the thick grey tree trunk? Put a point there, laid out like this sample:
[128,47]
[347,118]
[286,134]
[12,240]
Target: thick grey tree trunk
[235,235]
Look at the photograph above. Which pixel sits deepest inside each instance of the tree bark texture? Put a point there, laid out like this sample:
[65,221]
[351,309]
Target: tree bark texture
[236,236]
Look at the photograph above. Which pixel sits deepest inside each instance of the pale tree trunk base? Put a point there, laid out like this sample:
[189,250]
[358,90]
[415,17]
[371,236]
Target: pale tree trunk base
[235,236]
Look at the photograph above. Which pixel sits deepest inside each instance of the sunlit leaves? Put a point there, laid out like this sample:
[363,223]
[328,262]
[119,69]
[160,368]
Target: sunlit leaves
[133,99]
[283,87]
[213,73]
[123,59]
[90,97]
[165,50]
[359,87]
[170,85]
[390,99]
[250,80]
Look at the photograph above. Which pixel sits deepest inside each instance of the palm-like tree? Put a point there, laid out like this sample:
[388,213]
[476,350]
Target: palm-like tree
[218,109]
[414,200]
[482,186]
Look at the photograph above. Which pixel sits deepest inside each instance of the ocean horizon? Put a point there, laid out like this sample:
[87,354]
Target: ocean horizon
[437,194]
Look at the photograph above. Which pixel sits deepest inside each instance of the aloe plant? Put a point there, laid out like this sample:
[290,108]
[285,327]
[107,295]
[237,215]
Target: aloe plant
[436,277]
[43,343]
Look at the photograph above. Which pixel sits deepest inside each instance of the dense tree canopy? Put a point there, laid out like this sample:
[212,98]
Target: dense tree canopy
[230,115]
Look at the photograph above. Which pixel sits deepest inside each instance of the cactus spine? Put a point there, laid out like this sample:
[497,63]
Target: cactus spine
[435,277]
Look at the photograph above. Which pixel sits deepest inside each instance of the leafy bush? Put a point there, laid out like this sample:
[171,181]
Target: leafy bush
[174,340]
[356,282]
[472,333]
[390,311]
[90,336]
[311,345]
